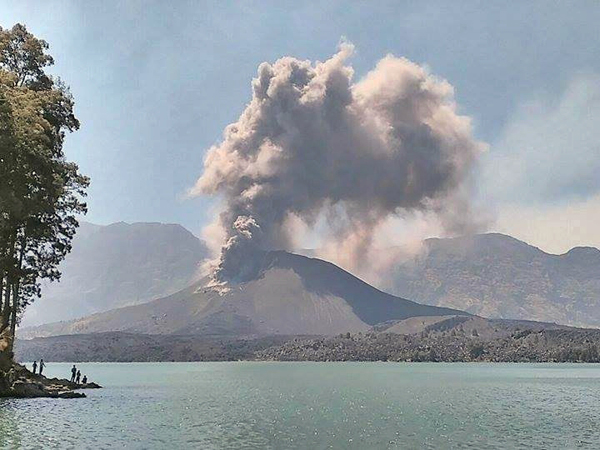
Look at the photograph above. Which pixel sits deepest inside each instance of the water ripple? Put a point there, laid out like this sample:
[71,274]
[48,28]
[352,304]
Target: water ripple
[315,406]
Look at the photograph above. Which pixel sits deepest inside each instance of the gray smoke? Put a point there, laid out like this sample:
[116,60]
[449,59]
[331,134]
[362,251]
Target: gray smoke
[312,143]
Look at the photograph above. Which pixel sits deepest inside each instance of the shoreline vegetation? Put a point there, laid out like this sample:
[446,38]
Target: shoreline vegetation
[451,340]
[527,346]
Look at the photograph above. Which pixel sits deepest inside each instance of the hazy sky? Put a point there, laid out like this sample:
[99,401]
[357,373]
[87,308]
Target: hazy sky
[155,83]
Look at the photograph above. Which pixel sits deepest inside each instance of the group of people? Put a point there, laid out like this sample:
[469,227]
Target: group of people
[76,376]
[35,366]
[75,373]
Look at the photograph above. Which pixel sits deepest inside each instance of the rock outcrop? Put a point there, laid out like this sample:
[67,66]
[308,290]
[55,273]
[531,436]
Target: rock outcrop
[18,382]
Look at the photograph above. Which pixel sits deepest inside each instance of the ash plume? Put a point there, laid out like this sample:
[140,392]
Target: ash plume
[312,143]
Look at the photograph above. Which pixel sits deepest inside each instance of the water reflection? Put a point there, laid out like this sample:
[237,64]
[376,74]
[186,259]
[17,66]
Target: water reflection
[10,437]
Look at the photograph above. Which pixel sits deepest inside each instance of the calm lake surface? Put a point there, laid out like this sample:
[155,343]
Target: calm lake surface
[251,405]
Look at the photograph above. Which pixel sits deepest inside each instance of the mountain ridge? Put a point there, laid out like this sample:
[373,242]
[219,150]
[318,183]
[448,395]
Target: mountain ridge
[498,276]
[116,265]
[292,294]
[492,275]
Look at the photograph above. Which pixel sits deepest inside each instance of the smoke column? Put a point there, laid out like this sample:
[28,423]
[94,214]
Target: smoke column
[311,143]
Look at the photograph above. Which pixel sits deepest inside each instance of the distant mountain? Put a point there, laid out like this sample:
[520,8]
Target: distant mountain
[117,265]
[491,275]
[290,295]
[497,276]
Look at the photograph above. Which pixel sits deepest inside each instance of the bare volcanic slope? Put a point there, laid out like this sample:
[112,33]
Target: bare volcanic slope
[119,265]
[290,294]
[497,276]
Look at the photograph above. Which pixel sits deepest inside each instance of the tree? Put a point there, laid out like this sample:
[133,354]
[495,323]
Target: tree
[41,193]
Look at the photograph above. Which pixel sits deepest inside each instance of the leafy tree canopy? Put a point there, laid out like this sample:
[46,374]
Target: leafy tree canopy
[41,193]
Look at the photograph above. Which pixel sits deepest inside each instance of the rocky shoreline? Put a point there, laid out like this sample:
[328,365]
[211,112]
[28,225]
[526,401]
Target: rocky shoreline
[18,382]
[28,385]
[128,347]
[519,346]
[436,339]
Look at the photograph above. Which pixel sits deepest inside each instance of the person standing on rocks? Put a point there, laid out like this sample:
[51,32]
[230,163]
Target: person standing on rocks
[84,381]
[73,373]
[78,377]
[42,365]
[34,367]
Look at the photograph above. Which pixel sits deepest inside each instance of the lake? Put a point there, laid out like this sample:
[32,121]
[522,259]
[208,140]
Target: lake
[266,405]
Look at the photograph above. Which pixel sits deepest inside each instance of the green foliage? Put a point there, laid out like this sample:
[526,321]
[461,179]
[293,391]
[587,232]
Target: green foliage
[40,192]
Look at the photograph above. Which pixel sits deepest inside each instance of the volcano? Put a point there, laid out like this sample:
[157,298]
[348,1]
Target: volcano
[288,295]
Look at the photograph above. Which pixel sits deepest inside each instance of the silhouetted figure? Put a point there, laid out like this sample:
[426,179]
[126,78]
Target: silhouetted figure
[73,373]
[42,365]
[78,377]
[34,367]
[84,381]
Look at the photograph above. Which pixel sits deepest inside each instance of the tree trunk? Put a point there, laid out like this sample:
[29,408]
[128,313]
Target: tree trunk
[6,308]
[2,279]
[15,295]
[13,316]
[7,287]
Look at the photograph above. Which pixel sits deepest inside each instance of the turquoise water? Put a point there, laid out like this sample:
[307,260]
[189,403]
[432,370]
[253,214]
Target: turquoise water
[247,405]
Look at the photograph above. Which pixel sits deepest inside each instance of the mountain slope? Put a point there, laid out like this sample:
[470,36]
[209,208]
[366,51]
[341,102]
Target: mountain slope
[292,295]
[495,275]
[117,265]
